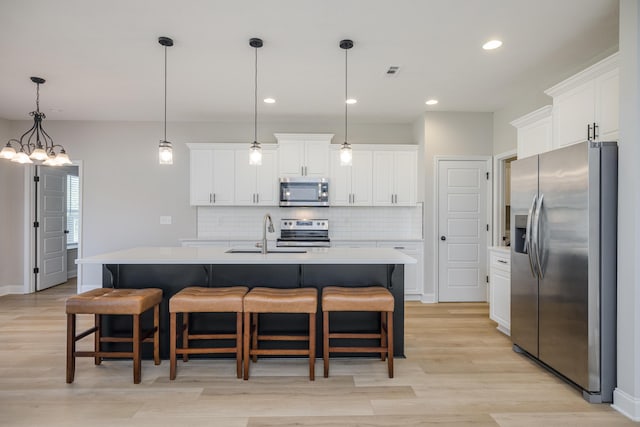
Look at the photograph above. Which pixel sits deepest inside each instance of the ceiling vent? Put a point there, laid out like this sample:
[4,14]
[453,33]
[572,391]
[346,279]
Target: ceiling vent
[392,71]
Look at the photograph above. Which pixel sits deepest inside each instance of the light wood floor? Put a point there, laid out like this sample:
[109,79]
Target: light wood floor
[459,371]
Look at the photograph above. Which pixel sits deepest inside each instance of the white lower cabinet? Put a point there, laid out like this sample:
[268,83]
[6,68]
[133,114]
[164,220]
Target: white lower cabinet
[413,273]
[500,289]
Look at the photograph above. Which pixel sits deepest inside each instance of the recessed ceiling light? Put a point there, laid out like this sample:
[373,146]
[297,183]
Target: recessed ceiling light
[352,101]
[492,44]
[432,102]
[269,101]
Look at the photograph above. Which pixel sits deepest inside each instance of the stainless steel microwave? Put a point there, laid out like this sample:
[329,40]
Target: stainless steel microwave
[304,191]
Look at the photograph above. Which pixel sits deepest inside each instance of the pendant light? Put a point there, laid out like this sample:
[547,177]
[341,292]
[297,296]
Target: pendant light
[255,151]
[36,144]
[346,153]
[165,149]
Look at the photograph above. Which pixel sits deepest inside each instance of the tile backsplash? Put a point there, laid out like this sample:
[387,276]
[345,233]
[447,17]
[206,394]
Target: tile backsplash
[345,223]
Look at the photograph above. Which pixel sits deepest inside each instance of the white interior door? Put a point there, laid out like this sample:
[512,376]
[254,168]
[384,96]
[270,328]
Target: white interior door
[51,215]
[462,230]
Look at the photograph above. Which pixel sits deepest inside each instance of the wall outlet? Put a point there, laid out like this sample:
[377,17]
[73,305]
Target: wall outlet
[165,220]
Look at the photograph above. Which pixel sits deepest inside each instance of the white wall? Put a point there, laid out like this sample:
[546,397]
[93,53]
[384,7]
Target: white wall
[11,219]
[505,135]
[627,393]
[448,133]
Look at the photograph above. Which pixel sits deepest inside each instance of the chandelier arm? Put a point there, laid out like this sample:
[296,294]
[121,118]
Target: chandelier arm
[48,141]
[28,144]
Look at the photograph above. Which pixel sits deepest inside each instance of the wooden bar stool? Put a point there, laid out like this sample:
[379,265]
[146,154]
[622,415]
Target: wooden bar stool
[132,302]
[269,300]
[205,300]
[374,298]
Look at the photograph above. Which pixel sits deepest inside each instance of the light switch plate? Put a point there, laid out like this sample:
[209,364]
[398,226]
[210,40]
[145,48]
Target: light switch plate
[165,220]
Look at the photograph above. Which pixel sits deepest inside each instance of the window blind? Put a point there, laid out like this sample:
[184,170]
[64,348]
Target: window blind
[73,209]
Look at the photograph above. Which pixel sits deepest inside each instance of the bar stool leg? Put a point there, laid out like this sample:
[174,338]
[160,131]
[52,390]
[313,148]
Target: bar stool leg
[383,334]
[71,347]
[137,365]
[172,351]
[185,335]
[246,344]
[156,334]
[97,346]
[312,346]
[325,342]
[390,342]
[239,337]
[254,335]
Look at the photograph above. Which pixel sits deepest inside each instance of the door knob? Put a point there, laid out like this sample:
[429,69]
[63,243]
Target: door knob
[443,238]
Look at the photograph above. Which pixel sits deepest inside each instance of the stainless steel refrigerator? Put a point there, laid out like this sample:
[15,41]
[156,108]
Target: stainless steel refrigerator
[563,263]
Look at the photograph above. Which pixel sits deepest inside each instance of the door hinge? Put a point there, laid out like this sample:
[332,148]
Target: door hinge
[36,178]
[36,224]
[487,227]
[487,175]
[36,270]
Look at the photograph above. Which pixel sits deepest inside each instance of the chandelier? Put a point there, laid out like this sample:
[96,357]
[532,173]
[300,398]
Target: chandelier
[35,144]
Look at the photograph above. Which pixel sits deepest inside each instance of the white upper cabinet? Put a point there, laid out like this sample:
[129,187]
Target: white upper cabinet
[209,176]
[351,185]
[256,185]
[585,106]
[535,132]
[395,176]
[303,155]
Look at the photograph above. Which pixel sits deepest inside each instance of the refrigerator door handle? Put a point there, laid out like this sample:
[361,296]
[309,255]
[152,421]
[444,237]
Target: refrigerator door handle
[527,241]
[536,241]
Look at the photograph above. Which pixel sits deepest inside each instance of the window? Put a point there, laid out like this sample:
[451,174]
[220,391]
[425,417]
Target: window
[73,209]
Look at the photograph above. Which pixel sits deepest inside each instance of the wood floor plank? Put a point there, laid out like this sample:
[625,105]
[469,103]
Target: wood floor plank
[458,371]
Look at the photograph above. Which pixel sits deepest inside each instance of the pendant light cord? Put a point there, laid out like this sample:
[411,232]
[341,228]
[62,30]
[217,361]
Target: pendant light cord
[255,99]
[346,105]
[165,93]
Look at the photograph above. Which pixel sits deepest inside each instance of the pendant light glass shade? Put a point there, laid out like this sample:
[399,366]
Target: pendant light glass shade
[165,148]
[346,153]
[255,150]
[255,154]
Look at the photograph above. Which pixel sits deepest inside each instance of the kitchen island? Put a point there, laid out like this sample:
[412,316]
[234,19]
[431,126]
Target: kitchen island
[174,268]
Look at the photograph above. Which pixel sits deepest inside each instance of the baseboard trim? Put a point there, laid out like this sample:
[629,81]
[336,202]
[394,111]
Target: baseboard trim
[11,289]
[412,297]
[626,404]
[86,288]
[428,298]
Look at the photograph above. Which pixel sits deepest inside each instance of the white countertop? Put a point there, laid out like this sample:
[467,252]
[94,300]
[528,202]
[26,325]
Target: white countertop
[503,249]
[214,255]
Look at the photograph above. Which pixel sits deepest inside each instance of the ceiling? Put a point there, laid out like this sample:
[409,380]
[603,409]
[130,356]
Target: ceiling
[102,60]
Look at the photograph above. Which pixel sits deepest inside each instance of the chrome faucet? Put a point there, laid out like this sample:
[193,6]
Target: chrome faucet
[263,244]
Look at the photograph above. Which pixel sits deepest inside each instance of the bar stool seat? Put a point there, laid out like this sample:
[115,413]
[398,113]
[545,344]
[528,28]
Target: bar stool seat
[196,299]
[270,300]
[101,301]
[372,298]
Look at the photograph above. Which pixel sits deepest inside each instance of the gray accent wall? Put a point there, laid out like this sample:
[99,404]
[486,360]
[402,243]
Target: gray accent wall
[447,133]
[11,220]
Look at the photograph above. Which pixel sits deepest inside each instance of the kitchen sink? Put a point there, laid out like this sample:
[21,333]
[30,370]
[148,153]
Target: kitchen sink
[270,251]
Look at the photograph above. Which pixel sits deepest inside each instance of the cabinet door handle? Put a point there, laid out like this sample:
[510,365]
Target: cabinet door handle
[398,247]
[253,198]
[595,131]
[501,261]
[257,197]
[210,198]
[214,197]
